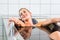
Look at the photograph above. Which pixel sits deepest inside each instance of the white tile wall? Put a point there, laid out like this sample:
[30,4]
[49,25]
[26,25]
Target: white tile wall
[55,16]
[35,9]
[45,9]
[24,1]
[25,6]
[55,10]
[35,1]
[13,10]
[3,9]
[39,8]
[13,1]
[45,1]
[3,1]
[55,1]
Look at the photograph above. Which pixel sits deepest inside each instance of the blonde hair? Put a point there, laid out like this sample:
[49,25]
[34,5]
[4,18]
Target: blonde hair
[25,9]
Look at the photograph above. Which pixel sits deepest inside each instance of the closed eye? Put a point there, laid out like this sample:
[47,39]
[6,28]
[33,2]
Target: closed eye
[24,11]
[20,14]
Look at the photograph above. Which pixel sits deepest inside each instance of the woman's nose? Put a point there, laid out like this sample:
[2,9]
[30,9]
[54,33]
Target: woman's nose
[23,14]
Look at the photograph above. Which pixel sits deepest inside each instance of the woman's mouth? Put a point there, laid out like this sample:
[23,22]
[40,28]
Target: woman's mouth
[24,17]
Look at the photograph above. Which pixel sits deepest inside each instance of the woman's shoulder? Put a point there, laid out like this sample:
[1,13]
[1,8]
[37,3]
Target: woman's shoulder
[34,21]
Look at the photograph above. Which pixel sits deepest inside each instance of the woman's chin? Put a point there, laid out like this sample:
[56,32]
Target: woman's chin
[24,19]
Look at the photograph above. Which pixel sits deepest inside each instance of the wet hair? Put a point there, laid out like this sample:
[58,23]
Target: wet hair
[24,11]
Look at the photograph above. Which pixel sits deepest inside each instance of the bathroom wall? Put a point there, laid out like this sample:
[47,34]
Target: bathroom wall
[39,9]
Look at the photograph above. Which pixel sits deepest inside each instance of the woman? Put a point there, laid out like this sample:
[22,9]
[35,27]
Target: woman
[24,23]
[51,26]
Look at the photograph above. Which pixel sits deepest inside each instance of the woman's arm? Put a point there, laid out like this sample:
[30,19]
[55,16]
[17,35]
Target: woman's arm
[17,21]
[48,21]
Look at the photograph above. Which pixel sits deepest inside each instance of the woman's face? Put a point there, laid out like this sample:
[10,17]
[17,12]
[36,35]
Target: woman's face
[24,14]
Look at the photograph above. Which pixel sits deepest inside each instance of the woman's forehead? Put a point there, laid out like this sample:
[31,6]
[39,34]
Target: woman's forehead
[23,10]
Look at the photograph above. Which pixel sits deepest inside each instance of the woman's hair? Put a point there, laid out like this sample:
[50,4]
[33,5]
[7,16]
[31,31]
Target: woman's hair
[25,9]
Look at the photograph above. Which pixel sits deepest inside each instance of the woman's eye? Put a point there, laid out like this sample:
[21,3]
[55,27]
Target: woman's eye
[24,11]
[20,14]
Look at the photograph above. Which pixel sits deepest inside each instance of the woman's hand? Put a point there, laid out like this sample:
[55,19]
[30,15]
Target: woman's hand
[16,21]
[55,20]
[10,20]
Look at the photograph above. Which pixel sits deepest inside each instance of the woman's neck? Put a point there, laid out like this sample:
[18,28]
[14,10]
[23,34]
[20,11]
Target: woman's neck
[29,22]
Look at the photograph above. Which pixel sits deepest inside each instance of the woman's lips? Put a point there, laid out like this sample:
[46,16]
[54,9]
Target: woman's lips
[24,17]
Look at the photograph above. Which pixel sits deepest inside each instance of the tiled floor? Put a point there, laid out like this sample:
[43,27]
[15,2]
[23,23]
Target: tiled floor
[38,34]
